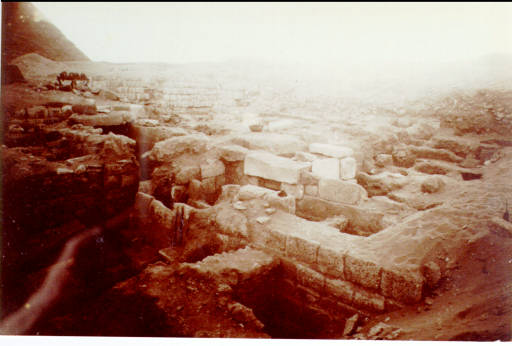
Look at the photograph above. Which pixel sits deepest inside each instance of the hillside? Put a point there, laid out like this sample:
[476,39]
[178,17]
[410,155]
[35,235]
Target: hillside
[26,31]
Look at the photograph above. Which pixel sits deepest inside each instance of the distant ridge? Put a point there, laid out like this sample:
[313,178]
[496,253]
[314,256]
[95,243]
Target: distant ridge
[25,30]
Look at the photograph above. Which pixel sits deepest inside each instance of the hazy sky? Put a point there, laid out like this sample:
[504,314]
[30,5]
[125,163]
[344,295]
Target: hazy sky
[319,33]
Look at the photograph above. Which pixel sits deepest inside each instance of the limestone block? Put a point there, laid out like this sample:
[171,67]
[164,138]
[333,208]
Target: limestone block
[161,215]
[348,168]
[269,239]
[383,160]
[340,191]
[286,204]
[362,272]
[331,262]
[229,192]
[331,150]
[302,249]
[142,204]
[234,172]
[280,124]
[289,270]
[326,168]
[170,149]
[231,222]
[250,180]
[307,178]
[269,166]
[212,168]
[208,185]
[369,300]
[297,191]
[269,184]
[311,190]
[194,190]
[404,287]
[304,157]
[187,174]
[340,289]
[178,193]
[233,153]
[220,180]
[310,278]
[248,192]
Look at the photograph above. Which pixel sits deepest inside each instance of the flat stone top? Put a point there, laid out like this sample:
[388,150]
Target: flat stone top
[269,166]
[331,150]
[247,261]
[277,160]
[272,142]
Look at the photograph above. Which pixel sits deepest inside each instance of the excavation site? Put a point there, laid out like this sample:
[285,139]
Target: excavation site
[248,199]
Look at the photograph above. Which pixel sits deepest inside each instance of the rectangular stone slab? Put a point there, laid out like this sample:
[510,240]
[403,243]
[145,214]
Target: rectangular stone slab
[331,150]
[269,166]
[340,191]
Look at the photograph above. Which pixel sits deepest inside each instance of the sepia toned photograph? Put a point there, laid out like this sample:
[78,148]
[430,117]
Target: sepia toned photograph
[260,170]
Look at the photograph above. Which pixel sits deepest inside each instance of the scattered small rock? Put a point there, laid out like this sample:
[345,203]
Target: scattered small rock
[262,219]
[239,205]
[270,211]
[350,325]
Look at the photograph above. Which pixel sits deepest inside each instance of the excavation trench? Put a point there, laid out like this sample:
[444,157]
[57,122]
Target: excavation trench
[288,311]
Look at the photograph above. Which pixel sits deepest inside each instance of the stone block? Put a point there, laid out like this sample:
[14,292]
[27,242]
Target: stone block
[269,239]
[161,215]
[220,181]
[233,153]
[269,166]
[231,222]
[331,150]
[331,262]
[279,144]
[234,172]
[142,204]
[311,190]
[296,191]
[304,157]
[343,290]
[229,192]
[208,185]
[368,300]
[178,193]
[269,184]
[286,204]
[362,272]
[326,168]
[195,191]
[383,160]
[248,192]
[310,278]
[302,249]
[187,174]
[404,287]
[348,167]
[308,178]
[212,168]
[341,191]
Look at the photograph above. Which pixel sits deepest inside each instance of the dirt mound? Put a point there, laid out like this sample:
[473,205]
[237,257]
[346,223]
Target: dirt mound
[33,65]
[24,30]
